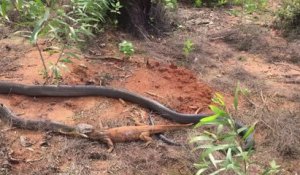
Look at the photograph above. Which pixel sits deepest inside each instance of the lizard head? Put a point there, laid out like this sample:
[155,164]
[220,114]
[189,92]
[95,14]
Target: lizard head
[84,128]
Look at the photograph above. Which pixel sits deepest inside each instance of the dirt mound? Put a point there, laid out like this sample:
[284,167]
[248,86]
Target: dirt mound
[176,87]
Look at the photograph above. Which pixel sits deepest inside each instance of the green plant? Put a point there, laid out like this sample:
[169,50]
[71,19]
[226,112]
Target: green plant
[67,23]
[249,6]
[273,169]
[222,2]
[56,70]
[27,11]
[115,10]
[188,47]
[126,47]
[288,16]
[198,3]
[224,139]
[170,4]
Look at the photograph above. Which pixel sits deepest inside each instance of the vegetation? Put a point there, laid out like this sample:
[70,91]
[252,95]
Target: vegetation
[126,47]
[224,139]
[289,16]
[170,4]
[188,47]
[249,6]
[65,23]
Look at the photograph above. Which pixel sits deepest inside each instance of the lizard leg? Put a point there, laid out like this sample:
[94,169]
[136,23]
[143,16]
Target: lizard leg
[110,144]
[72,133]
[137,123]
[145,136]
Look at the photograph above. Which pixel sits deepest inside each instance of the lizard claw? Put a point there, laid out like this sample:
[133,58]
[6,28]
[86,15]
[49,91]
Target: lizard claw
[110,149]
[148,143]
[83,135]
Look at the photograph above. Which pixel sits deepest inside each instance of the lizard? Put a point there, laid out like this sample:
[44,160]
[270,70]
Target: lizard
[126,133]
[104,135]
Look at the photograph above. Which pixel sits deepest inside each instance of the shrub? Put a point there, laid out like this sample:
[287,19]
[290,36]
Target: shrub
[222,149]
[126,47]
[188,47]
[288,16]
[249,6]
[66,22]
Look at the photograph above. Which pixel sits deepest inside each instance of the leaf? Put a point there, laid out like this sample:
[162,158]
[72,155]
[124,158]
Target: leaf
[229,154]
[19,4]
[274,165]
[212,160]
[199,172]
[242,129]
[218,99]
[243,154]
[220,128]
[209,119]
[201,165]
[73,55]
[273,169]
[216,148]
[217,110]
[201,138]
[236,96]
[39,25]
[72,33]
[215,122]
[229,138]
[203,147]
[3,9]
[218,171]
[250,130]
[65,60]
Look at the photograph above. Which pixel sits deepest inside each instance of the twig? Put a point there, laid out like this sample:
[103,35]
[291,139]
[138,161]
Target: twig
[292,81]
[265,123]
[264,100]
[198,109]
[34,160]
[42,58]
[96,57]
[153,94]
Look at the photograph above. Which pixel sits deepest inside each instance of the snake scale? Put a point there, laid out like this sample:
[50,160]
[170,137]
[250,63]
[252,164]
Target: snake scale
[83,90]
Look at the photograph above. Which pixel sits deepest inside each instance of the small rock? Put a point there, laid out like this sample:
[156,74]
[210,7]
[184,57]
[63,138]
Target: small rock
[44,143]
[98,156]
[25,141]
[102,45]
[83,66]
[201,22]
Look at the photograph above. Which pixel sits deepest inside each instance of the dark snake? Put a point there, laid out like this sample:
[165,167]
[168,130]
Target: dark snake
[83,90]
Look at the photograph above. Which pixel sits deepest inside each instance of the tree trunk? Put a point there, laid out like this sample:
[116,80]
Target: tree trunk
[135,16]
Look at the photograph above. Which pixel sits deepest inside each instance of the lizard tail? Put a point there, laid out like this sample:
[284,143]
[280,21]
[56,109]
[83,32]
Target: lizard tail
[163,128]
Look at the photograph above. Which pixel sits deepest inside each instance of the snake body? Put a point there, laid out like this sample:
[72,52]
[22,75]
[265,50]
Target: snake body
[82,90]
[7,116]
